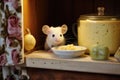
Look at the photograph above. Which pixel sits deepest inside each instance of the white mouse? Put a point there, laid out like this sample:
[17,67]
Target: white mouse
[55,36]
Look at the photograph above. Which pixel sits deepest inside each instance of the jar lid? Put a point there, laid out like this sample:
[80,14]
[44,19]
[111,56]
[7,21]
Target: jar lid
[99,16]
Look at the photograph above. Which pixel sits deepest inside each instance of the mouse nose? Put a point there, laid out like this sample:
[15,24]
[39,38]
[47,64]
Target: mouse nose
[57,40]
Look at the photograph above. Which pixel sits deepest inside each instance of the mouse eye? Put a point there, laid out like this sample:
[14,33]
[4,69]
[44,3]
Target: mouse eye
[60,35]
[53,35]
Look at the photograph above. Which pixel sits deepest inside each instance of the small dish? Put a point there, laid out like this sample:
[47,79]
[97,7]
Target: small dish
[79,51]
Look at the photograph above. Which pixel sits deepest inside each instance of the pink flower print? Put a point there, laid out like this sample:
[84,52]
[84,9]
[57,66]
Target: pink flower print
[11,3]
[13,50]
[14,30]
[6,0]
[15,56]
[3,59]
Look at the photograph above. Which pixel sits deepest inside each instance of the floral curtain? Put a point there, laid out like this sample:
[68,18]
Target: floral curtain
[10,32]
[11,44]
[14,73]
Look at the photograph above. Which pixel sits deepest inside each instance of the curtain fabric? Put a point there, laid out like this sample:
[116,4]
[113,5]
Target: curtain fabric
[11,33]
[11,40]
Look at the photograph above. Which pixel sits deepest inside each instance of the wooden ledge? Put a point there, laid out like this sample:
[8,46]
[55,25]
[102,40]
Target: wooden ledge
[42,59]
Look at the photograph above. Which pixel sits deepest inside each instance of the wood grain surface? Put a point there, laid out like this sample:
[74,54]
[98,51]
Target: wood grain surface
[47,74]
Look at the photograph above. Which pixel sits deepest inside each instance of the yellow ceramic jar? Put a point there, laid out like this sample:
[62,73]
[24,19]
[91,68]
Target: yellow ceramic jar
[101,30]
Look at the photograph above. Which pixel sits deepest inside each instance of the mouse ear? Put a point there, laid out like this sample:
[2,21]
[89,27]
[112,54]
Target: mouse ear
[46,29]
[64,28]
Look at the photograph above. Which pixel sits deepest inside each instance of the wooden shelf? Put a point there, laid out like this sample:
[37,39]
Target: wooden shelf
[42,59]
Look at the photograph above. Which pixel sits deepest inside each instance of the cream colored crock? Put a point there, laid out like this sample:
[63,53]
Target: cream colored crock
[102,30]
